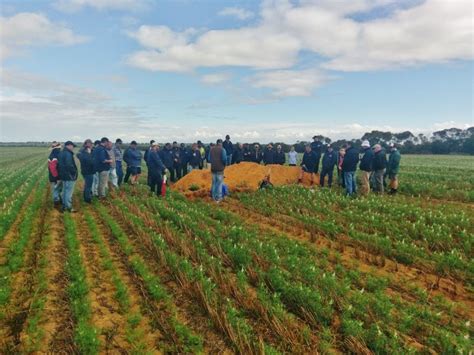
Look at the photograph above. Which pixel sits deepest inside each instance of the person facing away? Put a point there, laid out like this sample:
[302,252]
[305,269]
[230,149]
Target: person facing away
[268,155]
[229,149]
[340,160]
[218,160]
[329,162]
[279,157]
[67,174]
[195,159]
[292,156]
[102,163]
[117,148]
[156,169]
[87,169]
[393,168]
[379,166]
[365,167]
[53,173]
[135,162]
[317,149]
[349,167]
[308,164]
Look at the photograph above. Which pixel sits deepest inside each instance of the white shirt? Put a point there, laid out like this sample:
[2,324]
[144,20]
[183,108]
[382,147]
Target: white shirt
[292,157]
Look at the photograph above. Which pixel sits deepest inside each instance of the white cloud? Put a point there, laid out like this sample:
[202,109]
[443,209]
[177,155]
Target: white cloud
[118,5]
[286,83]
[29,29]
[238,12]
[215,78]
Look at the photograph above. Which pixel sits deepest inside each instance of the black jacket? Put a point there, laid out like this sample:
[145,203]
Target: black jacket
[67,166]
[184,156]
[166,156]
[329,160]
[247,154]
[87,163]
[228,146]
[257,156]
[147,153]
[268,156]
[53,165]
[367,160]
[176,157]
[195,158]
[237,156]
[351,159]
[309,160]
[100,155]
[155,165]
[317,148]
[279,157]
[380,160]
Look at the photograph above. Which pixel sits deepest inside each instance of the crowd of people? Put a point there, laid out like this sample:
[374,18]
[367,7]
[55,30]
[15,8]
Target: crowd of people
[102,165]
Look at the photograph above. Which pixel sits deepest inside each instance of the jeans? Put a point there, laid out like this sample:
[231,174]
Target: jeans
[95,184]
[326,171]
[103,179]
[229,160]
[113,177]
[119,170]
[68,189]
[350,182]
[216,188]
[56,188]
[88,181]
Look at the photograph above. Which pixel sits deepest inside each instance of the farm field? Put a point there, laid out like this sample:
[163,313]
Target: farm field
[286,270]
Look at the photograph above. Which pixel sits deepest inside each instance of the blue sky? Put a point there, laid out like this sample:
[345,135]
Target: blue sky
[268,71]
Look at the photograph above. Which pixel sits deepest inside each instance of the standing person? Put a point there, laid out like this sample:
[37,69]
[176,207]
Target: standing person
[117,148]
[280,157]
[53,172]
[308,165]
[67,174]
[257,155]
[238,155]
[393,168]
[128,170]
[156,169]
[229,149]
[113,178]
[202,150]
[379,166]
[184,156]
[329,162]
[349,167]
[194,158]
[292,156]
[167,159]
[268,155]
[102,165]
[95,180]
[176,161]
[135,162]
[247,153]
[366,167]
[218,159]
[317,149]
[87,169]
[340,160]
[145,157]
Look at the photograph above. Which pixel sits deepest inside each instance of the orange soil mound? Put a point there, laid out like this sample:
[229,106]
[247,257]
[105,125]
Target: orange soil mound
[242,177]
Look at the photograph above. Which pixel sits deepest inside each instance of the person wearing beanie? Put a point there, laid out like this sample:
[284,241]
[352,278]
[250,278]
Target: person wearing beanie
[393,168]
[366,167]
[53,173]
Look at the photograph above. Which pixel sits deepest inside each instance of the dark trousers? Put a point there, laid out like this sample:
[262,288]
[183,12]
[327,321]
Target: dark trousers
[119,170]
[88,180]
[324,172]
[340,177]
[175,173]
[184,170]
[127,174]
[316,167]
[155,181]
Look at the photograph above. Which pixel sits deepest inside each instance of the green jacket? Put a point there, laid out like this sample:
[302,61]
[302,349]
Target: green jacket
[394,162]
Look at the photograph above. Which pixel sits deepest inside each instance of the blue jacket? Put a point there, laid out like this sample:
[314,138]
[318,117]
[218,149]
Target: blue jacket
[155,165]
[228,146]
[100,155]
[166,156]
[135,157]
[309,160]
[367,160]
[317,148]
[67,166]
[87,162]
[146,155]
[351,159]
[268,156]
[184,155]
[280,157]
[329,160]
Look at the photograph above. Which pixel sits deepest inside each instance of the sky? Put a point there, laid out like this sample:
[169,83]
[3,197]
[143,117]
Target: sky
[271,70]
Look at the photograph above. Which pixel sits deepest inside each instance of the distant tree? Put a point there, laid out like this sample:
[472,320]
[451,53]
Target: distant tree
[468,146]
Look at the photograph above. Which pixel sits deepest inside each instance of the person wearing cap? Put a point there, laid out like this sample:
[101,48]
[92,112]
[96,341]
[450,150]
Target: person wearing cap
[53,173]
[329,162]
[113,178]
[393,168]
[229,149]
[102,163]
[366,167]
[145,157]
[184,155]
[308,164]
[317,149]
[379,166]
[87,169]
[68,174]
[349,167]
[95,180]
[279,157]
[292,156]
[117,149]
[135,157]
[218,159]
[156,169]
[268,155]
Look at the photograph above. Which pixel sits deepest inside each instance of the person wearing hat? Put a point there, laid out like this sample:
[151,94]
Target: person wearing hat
[329,162]
[156,169]
[117,148]
[102,163]
[317,149]
[53,172]
[366,167]
[268,155]
[349,167]
[393,168]
[379,166]
[280,157]
[67,174]
[87,169]
[135,162]
[229,149]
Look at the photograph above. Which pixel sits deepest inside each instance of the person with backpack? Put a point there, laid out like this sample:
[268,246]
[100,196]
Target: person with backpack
[329,162]
[393,168]
[366,167]
[67,174]
[53,173]
[87,169]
